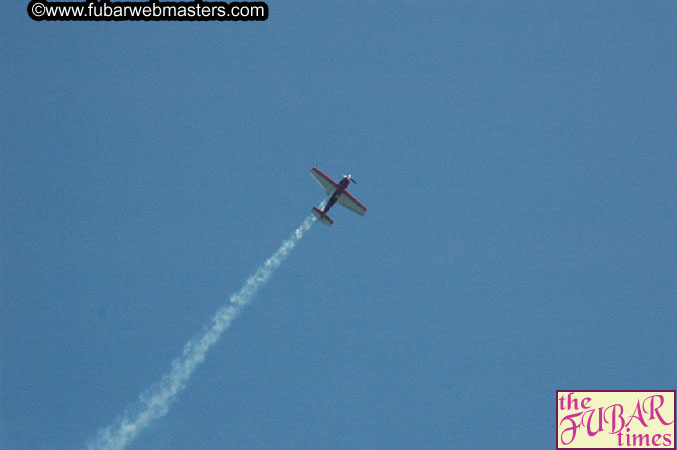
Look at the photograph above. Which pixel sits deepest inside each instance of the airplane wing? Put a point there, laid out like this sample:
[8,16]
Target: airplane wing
[325,180]
[346,199]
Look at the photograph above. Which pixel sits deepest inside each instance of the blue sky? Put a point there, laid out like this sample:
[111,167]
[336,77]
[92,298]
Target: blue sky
[517,161]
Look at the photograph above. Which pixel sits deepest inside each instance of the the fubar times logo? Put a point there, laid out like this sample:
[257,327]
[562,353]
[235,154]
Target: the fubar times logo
[616,419]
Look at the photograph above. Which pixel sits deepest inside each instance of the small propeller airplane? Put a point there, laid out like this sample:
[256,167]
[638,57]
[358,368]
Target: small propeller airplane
[338,192]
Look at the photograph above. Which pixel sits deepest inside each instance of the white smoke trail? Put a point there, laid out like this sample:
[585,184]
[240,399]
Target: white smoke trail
[154,402]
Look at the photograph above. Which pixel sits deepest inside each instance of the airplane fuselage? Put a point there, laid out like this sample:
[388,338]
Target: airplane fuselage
[342,186]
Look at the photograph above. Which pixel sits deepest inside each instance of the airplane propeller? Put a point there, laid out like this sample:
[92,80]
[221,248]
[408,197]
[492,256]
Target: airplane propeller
[350,177]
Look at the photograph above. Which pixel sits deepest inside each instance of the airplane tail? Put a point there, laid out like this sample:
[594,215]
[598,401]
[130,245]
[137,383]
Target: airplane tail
[322,217]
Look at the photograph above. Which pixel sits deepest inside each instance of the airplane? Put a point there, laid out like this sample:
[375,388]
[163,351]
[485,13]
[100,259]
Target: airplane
[338,193]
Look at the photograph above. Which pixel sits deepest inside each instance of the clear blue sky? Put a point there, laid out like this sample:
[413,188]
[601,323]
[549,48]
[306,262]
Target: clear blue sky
[517,160]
